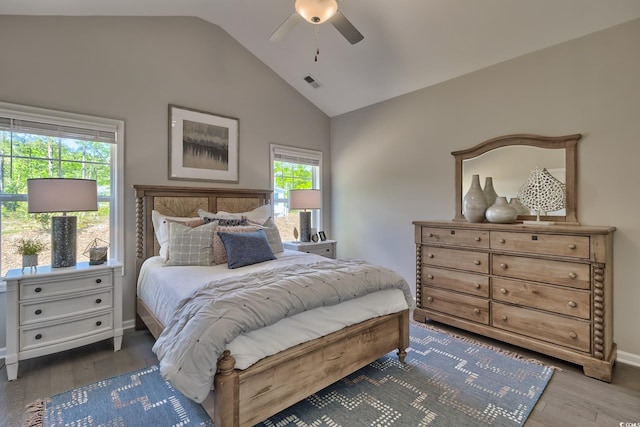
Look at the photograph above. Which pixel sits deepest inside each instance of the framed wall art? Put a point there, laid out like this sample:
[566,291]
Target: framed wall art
[202,146]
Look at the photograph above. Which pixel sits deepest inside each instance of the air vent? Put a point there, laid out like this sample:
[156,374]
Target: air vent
[313,82]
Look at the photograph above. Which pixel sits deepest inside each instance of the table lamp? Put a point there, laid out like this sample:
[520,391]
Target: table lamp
[48,195]
[305,199]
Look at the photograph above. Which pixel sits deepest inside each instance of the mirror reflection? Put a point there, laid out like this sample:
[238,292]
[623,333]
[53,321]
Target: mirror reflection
[510,167]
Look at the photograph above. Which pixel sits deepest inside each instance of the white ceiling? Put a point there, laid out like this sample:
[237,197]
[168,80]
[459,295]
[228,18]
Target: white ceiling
[408,44]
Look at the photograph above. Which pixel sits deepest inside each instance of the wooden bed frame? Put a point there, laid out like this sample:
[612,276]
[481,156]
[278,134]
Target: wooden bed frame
[247,397]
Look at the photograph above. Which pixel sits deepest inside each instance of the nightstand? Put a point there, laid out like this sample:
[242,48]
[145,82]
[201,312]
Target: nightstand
[326,248]
[56,309]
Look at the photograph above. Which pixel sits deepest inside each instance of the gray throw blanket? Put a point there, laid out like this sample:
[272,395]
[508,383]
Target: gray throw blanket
[211,317]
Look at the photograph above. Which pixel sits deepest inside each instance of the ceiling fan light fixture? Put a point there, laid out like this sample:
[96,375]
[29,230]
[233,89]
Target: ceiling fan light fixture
[316,11]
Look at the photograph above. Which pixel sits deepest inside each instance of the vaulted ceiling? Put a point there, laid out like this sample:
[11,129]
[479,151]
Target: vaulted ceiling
[408,44]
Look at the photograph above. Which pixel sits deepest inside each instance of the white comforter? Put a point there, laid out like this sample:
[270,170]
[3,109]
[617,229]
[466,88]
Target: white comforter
[299,328]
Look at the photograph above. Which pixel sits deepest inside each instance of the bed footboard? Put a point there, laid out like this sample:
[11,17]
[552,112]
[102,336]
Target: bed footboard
[244,398]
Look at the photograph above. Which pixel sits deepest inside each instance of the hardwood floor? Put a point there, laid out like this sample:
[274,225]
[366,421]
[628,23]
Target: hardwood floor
[571,399]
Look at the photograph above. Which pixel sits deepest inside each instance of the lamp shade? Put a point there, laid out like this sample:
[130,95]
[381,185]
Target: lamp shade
[305,199]
[316,11]
[61,195]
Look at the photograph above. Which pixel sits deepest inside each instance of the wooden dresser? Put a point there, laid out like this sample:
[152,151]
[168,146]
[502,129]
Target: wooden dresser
[545,288]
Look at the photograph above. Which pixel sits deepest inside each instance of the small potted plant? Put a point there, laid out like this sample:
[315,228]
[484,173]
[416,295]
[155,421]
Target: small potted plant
[29,249]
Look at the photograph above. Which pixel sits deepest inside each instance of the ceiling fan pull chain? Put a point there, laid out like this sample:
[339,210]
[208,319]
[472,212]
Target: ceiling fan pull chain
[317,46]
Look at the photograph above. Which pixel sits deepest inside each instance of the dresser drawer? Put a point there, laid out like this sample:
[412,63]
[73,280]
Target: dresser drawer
[541,270]
[40,336]
[477,262]
[549,298]
[547,244]
[465,306]
[469,283]
[39,311]
[51,286]
[453,236]
[564,331]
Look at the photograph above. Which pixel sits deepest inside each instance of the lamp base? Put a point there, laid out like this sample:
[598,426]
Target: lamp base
[305,226]
[63,241]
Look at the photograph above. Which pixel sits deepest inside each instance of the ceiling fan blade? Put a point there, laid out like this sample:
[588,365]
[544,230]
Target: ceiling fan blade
[346,28]
[285,27]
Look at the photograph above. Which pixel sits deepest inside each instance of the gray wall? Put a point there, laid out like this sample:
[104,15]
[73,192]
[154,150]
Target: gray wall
[131,69]
[391,162]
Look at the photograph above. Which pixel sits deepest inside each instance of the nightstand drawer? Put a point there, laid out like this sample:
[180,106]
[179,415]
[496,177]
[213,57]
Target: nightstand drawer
[38,311]
[324,250]
[52,286]
[40,336]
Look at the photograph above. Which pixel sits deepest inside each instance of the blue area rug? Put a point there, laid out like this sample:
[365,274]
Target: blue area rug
[447,381]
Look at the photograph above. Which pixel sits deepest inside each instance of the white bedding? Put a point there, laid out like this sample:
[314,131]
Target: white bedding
[162,288]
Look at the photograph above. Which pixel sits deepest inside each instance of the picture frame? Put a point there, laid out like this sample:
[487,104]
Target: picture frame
[323,236]
[202,146]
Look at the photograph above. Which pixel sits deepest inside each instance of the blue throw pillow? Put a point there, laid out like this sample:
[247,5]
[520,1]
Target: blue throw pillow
[246,248]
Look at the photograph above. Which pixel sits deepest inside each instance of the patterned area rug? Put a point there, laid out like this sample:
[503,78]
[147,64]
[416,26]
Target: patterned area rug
[447,381]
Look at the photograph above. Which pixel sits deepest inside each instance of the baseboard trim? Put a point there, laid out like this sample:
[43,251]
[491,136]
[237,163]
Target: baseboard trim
[629,358]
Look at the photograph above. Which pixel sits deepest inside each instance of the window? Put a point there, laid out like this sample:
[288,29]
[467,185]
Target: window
[293,169]
[38,143]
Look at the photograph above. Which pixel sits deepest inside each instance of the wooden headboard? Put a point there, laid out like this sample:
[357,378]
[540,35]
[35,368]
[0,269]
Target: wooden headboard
[185,202]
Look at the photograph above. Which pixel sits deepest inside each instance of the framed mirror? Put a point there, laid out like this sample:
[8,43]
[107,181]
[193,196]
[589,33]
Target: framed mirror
[510,159]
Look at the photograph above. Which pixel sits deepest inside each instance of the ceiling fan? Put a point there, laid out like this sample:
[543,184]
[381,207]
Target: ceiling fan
[318,12]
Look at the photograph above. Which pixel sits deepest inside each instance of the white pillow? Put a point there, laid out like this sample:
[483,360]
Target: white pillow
[161,229]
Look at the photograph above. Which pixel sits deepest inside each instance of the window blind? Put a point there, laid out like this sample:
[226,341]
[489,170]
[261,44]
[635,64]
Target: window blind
[297,155]
[57,130]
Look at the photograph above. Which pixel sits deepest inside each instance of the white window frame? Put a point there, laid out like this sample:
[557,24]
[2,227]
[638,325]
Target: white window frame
[62,118]
[302,156]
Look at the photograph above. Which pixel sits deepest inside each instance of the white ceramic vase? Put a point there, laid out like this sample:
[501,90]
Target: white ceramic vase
[474,203]
[489,192]
[522,210]
[501,213]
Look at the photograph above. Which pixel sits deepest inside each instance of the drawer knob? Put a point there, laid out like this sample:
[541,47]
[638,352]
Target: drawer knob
[429,255]
[503,290]
[38,290]
[476,310]
[429,234]
[98,301]
[430,299]
[500,240]
[504,317]
[98,323]
[504,266]
[327,249]
[476,262]
[478,239]
[39,336]
[573,335]
[476,285]
[98,280]
[572,304]
[430,276]
[38,312]
[573,275]
[572,246]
